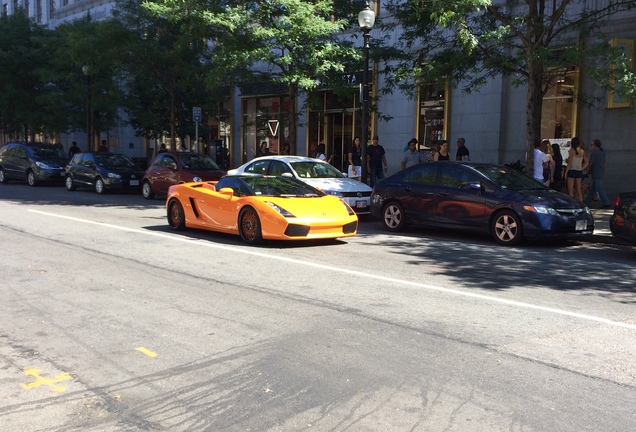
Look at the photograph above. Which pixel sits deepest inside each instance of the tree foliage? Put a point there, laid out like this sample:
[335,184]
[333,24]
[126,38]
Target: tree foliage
[21,87]
[290,42]
[472,41]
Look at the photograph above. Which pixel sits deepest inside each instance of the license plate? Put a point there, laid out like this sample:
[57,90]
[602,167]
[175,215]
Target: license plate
[136,183]
[361,204]
[581,225]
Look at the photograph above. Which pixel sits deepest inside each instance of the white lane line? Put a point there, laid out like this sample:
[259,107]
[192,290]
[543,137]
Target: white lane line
[351,272]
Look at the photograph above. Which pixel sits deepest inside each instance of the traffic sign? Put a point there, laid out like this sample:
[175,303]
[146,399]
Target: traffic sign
[196,114]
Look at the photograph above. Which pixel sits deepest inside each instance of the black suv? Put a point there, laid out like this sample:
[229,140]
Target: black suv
[102,172]
[34,162]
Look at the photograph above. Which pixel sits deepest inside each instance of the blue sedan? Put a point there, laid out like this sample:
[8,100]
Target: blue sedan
[478,197]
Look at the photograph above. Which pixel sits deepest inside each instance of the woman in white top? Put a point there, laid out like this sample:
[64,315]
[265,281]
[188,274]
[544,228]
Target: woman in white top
[577,162]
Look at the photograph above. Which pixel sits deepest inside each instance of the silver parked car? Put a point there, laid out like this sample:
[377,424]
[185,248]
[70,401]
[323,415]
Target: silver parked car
[314,172]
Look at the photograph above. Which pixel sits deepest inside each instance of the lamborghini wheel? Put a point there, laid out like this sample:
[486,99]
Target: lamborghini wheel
[176,215]
[250,226]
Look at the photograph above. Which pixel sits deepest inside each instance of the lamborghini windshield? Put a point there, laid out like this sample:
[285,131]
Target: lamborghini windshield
[271,186]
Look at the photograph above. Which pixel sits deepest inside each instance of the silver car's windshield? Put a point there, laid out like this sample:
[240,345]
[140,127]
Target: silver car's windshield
[310,169]
[508,178]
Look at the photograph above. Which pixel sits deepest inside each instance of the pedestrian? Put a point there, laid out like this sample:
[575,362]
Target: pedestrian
[103,147]
[548,170]
[462,151]
[355,159]
[412,156]
[540,162]
[577,162]
[442,154]
[376,161]
[321,153]
[286,149]
[557,173]
[162,148]
[263,150]
[596,169]
[74,149]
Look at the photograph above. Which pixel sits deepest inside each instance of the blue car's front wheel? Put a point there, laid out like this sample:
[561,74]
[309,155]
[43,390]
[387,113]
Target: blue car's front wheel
[506,228]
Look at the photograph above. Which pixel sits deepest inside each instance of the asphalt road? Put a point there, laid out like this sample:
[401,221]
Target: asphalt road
[112,322]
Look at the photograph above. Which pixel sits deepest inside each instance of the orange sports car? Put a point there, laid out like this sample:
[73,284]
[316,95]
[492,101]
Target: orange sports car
[260,208]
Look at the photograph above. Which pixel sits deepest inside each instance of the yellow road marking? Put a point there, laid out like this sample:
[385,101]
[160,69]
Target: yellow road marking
[39,380]
[147,352]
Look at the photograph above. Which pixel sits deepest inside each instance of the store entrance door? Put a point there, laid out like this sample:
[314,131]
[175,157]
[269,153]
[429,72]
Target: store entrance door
[338,137]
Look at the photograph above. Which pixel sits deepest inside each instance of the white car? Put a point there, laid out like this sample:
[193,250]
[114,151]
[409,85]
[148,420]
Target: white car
[314,172]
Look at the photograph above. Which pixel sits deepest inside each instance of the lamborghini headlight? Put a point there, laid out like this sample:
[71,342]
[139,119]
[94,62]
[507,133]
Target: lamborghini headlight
[348,207]
[279,209]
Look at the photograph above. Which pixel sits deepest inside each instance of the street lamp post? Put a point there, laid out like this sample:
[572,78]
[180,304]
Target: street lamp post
[89,117]
[366,19]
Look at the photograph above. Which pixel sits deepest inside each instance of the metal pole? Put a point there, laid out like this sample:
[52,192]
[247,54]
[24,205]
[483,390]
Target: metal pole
[365,108]
[196,142]
[89,116]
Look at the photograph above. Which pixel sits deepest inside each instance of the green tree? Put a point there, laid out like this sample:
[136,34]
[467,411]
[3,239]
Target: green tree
[290,42]
[168,70]
[82,76]
[21,87]
[472,41]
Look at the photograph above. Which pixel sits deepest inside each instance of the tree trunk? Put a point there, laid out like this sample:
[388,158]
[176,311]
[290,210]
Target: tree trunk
[533,112]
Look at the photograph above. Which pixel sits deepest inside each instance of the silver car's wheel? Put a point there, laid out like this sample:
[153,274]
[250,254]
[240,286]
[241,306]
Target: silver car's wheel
[31,179]
[146,190]
[99,186]
[393,217]
[70,184]
[507,228]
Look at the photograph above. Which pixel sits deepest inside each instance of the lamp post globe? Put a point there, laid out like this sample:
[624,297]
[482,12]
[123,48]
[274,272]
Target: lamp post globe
[366,19]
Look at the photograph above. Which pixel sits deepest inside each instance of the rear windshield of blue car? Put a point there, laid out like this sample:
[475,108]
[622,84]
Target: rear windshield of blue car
[508,178]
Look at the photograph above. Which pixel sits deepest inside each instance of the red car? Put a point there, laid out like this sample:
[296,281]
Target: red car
[169,169]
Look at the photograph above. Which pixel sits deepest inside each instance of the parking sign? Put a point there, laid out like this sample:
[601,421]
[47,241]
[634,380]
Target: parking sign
[196,114]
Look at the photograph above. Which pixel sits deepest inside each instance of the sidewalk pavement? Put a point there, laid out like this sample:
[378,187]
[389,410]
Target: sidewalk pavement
[602,233]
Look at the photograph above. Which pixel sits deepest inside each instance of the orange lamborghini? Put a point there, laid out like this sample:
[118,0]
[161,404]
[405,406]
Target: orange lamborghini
[260,208]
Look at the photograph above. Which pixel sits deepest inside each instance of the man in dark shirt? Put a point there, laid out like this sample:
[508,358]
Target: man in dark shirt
[73,150]
[596,169]
[462,151]
[376,161]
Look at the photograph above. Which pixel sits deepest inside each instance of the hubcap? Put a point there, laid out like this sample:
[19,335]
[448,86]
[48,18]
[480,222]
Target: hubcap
[249,225]
[506,228]
[392,217]
[175,214]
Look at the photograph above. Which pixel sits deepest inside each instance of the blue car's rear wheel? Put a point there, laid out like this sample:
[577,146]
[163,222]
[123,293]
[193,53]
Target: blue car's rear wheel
[176,215]
[506,228]
[393,216]
[249,226]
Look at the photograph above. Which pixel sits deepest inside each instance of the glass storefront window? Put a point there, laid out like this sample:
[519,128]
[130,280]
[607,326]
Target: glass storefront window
[559,108]
[431,116]
[264,120]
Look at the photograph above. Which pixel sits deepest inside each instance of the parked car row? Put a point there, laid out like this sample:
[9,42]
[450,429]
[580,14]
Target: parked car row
[486,198]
